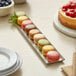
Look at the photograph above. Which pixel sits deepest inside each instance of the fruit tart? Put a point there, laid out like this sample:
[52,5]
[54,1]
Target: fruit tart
[67,15]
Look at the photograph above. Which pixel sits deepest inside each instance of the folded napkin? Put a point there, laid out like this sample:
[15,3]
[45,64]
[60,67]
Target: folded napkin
[74,64]
[71,70]
[67,70]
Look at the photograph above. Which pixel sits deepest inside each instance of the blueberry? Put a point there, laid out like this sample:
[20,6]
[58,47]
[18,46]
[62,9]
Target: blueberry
[6,3]
[9,1]
[0,5]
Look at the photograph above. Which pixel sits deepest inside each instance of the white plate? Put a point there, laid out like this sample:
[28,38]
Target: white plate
[62,28]
[13,69]
[8,58]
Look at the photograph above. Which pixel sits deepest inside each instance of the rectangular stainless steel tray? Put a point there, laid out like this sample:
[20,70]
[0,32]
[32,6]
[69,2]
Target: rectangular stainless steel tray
[35,46]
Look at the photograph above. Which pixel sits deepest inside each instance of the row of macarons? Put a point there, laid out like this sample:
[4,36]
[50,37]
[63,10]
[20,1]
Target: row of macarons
[38,38]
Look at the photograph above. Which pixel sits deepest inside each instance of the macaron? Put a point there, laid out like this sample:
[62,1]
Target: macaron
[37,37]
[33,32]
[29,27]
[21,19]
[47,48]
[25,23]
[20,13]
[42,42]
[52,56]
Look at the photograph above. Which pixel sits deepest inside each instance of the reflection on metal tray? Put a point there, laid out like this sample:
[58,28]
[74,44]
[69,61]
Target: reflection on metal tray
[35,47]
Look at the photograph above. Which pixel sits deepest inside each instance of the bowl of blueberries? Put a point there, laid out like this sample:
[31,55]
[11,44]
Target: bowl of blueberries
[6,7]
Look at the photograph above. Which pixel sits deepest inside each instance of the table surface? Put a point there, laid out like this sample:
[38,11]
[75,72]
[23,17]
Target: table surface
[41,13]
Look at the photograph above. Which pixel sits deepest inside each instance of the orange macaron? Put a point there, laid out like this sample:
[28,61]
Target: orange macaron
[47,48]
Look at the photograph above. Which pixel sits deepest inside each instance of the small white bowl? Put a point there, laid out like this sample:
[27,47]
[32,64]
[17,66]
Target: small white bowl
[7,9]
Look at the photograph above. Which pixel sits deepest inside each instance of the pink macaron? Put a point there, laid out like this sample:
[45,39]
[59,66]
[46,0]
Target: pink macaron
[33,32]
[52,56]
[37,37]
[26,22]
[29,27]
